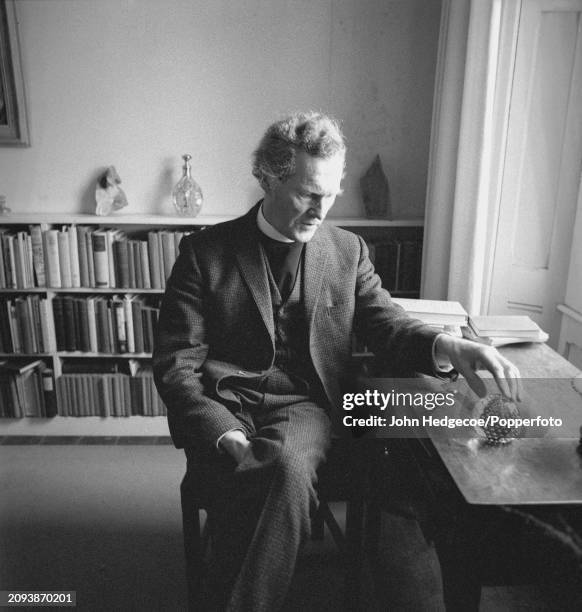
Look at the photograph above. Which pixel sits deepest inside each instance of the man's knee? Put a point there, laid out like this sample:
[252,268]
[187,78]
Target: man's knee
[296,469]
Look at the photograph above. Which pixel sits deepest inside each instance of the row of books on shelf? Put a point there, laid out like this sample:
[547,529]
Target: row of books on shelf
[86,256]
[109,395]
[397,262]
[97,324]
[26,390]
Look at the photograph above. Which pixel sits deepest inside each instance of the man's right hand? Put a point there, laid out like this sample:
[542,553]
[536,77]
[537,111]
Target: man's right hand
[236,444]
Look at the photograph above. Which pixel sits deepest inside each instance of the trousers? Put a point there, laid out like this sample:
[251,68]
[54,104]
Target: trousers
[260,510]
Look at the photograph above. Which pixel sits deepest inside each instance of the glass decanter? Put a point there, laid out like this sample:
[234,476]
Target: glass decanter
[187,195]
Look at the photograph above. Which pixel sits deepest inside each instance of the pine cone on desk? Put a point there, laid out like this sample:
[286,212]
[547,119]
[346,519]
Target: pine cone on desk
[498,406]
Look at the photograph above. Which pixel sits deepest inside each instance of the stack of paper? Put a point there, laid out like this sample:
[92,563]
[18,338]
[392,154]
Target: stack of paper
[498,330]
[443,314]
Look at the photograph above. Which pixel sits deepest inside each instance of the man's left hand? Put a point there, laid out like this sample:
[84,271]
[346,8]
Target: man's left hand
[467,357]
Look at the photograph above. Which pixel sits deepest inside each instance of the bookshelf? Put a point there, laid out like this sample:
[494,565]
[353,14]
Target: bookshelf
[94,342]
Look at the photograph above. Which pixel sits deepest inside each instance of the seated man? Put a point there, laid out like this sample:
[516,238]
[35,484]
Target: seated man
[253,340]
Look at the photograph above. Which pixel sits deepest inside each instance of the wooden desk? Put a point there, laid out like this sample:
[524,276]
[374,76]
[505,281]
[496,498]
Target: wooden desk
[542,467]
[529,470]
[531,473]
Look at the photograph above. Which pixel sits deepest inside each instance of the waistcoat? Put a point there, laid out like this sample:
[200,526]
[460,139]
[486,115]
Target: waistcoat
[292,333]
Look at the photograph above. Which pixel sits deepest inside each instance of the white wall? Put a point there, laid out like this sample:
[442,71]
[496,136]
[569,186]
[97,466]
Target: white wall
[137,83]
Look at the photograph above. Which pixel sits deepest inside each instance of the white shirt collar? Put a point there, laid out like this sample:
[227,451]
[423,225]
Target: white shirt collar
[268,229]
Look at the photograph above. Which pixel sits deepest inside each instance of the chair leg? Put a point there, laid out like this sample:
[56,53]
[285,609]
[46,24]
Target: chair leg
[354,553]
[193,549]
[317,523]
[333,526]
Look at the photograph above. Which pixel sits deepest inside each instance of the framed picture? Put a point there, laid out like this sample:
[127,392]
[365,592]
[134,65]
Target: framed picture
[13,120]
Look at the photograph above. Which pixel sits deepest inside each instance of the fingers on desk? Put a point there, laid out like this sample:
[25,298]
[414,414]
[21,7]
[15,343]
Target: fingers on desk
[505,373]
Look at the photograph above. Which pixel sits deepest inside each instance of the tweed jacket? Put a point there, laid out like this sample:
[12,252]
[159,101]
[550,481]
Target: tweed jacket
[216,321]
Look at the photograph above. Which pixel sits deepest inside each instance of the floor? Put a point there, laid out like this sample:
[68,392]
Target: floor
[104,520]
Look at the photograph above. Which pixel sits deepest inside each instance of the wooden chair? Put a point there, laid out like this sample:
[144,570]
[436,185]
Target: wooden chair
[341,478]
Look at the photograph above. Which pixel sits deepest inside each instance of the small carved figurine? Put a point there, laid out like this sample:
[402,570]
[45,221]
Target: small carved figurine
[108,195]
[376,192]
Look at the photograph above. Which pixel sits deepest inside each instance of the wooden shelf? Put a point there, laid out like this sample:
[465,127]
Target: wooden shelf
[86,426]
[112,220]
[174,220]
[104,290]
[84,355]
[26,355]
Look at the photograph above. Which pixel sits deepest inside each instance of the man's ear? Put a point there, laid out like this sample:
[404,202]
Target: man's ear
[270,184]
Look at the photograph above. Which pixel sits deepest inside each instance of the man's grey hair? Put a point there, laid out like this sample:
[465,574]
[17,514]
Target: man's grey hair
[312,132]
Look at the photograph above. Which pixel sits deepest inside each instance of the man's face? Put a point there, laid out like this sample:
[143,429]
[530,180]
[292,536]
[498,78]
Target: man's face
[297,206]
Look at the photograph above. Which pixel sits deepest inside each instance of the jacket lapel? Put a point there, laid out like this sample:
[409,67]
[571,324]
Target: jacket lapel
[252,266]
[315,271]
[254,272]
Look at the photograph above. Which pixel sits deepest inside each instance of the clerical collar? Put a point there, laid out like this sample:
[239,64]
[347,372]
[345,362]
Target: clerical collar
[269,230]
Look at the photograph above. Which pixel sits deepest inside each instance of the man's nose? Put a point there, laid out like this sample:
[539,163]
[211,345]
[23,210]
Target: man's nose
[316,211]
[317,207]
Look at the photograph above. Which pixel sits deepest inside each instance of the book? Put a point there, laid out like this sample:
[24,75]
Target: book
[60,328]
[90,258]
[25,325]
[92,324]
[10,260]
[120,327]
[131,264]
[51,253]
[59,388]
[25,248]
[74,256]
[15,333]
[103,333]
[542,336]
[5,333]
[156,271]
[136,306]
[38,254]
[121,259]
[64,258]
[49,392]
[19,260]
[129,323]
[506,326]
[33,303]
[101,264]
[83,341]
[136,248]
[47,320]
[145,264]
[113,235]
[434,312]
[82,250]
[149,322]
[71,323]
[3,231]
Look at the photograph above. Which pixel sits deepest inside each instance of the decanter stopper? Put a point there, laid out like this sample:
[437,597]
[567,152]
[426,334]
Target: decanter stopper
[187,195]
